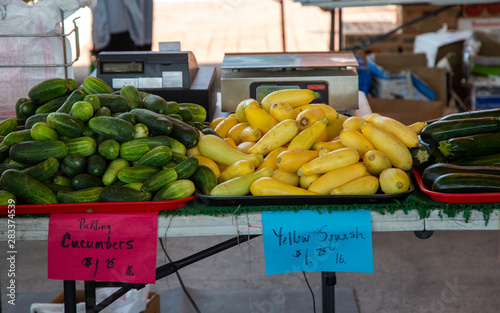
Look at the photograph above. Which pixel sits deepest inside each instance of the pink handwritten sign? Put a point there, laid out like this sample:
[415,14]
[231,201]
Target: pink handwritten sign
[103,247]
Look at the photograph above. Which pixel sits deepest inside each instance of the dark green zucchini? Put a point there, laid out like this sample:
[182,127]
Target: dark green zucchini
[421,154]
[446,129]
[489,159]
[466,183]
[468,146]
[472,114]
[435,170]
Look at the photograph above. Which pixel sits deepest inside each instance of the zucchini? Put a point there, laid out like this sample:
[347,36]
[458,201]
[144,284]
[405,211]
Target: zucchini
[49,89]
[42,131]
[474,145]
[111,173]
[27,188]
[186,134]
[435,170]
[91,194]
[76,95]
[466,183]
[44,170]
[134,149]
[204,179]
[84,181]
[199,112]
[73,164]
[112,128]
[179,189]
[94,85]
[33,152]
[136,174]
[132,94]
[122,193]
[96,165]
[421,154]
[109,149]
[472,114]
[489,159]
[7,125]
[157,124]
[446,129]
[187,168]
[159,180]
[158,156]
[65,124]
[84,146]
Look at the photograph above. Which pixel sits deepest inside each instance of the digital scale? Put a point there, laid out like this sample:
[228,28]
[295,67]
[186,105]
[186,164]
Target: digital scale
[332,75]
[169,73]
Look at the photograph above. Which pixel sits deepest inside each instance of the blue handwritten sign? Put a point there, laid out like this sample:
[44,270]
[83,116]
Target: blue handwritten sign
[317,241]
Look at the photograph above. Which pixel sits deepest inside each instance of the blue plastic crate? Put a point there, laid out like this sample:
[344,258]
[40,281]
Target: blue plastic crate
[364,76]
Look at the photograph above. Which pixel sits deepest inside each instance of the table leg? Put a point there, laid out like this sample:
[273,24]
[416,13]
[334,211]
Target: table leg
[328,280]
[70,296]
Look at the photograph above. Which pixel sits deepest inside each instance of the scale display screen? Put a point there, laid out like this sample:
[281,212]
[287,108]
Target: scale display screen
[122,67]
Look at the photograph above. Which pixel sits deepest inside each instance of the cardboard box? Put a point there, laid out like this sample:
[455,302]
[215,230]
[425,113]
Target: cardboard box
[478,23]
[407,111]
[484,97]
[433,23]
[153,305]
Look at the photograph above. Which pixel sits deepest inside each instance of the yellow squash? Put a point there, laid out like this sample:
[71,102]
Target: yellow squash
[240,109]
[294,97]
[225,125]
[231,143]
[269,186]
[365,185]
[353,122]
[245,146]
[239,186]
[330,145]
[286,177]
[216,121]
[394,181]
[306,181]
[260,119]
[270,159]
[238,168]
[394,127]
[354,139]
[276,137]
[234,133]
[282,111]
[392,147]
[334,128]
[250,134]
[310,116]
[336,178]
[330,161]
[307,137]
[292,160]
[216,149]
[417,127]
[331,113]
[376,161]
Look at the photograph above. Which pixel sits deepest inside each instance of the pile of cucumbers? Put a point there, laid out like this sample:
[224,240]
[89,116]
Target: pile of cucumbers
[463,152]
[91,143]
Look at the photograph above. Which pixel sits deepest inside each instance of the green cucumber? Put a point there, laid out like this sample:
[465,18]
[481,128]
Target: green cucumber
[186,134]
[84,181]
[204,179]
[4,152]
[177,146]
[32,120]
[17,137]
[102,111]
[112,128]
[132,94]
[111,173]
[175,116]
[199,112]
[62,181]
[42,131]
[136,186]
[136,174]
[472,114]
[57,188]
[27,188]
[51,106]
[141,131]
[33,152]
[178,157]
[134,149]
[185,113]
[19,116]
[94,85]
[91,194]
[94,101]
[84,146]
[433,171]
[127,116]
[73,164]
[155,103]
[65,124]
[76,95]
[49,89]
[115,103]
[159,180]
[187,168]
[158,157]
[44,170]
[96,165]
[157,124]
[82,110]
[446,129]
[179,189]
[7,166]
[7,198]
[122,193]
[474,145]
[7,126]
[109,149]
[27,109]
[466,183]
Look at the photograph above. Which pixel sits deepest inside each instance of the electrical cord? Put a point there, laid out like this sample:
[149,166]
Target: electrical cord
[184,289]
[310,289]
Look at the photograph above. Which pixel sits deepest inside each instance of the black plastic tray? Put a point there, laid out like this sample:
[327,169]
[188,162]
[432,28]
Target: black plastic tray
[301,200]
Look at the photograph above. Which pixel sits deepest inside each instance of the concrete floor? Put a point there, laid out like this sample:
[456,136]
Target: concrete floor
[450,272]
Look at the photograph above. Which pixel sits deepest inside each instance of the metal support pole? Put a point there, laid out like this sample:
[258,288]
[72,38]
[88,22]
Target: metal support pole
[70,296]
[340,30]
[332,30]
[283,31]
[328,280]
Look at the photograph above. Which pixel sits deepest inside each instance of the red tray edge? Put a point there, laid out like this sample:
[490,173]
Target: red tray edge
[98,207]
[487,197]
